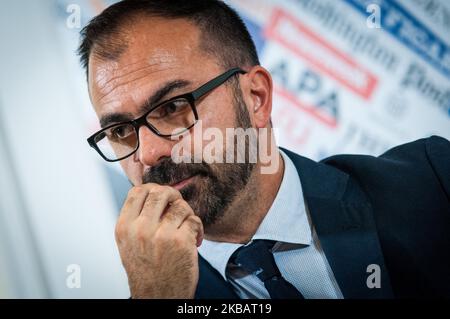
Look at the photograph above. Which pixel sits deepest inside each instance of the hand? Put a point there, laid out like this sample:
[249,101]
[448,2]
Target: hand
[158,234]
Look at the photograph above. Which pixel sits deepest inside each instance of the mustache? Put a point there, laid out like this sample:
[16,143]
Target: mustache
[166,172]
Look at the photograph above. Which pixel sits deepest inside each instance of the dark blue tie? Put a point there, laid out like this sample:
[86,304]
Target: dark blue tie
[257,258]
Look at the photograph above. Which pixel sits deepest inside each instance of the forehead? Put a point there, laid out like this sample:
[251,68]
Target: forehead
[158,50]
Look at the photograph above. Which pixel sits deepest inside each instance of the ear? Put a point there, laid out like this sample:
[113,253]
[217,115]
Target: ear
[258,95]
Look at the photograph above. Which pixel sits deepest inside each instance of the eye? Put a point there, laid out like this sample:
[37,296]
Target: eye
[170,108]
[121,132]
[174,106]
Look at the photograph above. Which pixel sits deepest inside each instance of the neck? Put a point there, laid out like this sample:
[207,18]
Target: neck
[244,215]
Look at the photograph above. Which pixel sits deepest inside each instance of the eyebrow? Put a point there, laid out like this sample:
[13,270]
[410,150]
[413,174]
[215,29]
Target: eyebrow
[156,97]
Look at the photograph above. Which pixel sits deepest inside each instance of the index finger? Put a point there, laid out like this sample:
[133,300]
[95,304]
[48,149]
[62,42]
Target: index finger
[134,202]
[158,198]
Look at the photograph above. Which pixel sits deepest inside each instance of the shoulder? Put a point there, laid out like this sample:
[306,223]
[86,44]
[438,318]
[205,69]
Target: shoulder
[434,148]
[420,164]
[408,188]
[408,191]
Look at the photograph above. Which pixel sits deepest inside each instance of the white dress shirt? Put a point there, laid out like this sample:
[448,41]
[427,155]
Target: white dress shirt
[297,251]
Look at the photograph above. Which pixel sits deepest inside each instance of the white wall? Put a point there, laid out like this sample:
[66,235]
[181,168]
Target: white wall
[63,195]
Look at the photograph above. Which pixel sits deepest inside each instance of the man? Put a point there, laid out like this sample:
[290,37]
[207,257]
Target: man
[347,227]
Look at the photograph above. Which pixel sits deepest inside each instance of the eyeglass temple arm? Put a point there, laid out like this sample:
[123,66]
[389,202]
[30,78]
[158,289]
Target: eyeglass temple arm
[215,82]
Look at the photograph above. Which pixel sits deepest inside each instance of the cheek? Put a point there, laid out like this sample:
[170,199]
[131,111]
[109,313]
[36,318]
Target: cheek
[133,170]
[212,145]
[218,116]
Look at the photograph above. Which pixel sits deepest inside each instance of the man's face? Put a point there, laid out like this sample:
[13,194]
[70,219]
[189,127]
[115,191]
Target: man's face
[160,52]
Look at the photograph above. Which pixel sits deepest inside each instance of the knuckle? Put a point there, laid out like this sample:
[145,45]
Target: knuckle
[160,238]
[154,196]
[176,238]
[182,204]
[150,186]
[172,217]
[140,227]
[175,213]
[164,188]
[169,190]
[176,192]
[121,229]
[142,235]
[132,196]
[196,224]
[179,240]
[135,190]
[195,220]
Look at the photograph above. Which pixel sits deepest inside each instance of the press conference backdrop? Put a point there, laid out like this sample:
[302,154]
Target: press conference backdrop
[350,76]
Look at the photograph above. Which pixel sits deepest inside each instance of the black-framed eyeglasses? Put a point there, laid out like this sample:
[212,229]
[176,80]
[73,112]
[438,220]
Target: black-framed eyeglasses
[166,119]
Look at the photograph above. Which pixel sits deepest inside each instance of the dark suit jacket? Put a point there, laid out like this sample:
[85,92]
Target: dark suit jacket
[392,210]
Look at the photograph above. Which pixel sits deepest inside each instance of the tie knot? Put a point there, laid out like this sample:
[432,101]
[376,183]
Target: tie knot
[257,258]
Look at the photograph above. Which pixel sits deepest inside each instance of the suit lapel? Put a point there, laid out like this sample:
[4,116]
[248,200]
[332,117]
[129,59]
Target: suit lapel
[343,219]
[211,284]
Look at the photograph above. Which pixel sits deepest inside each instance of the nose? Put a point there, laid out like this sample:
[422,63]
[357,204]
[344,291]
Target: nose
[152,148]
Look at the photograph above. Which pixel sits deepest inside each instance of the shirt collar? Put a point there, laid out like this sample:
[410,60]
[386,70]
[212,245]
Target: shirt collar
[286,221]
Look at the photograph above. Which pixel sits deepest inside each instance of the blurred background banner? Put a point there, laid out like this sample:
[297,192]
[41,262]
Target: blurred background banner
[350,76]
[354,76]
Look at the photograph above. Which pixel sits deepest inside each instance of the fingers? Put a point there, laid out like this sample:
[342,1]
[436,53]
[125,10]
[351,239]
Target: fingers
[154,208]
[175,214]
[149,201]
[193,226]
[134,203]
[158,198]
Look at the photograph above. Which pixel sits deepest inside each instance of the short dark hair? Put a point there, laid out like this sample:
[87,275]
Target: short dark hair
[223,33]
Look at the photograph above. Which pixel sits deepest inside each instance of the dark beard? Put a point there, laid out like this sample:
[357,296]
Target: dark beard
[216,185]
[211,191]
